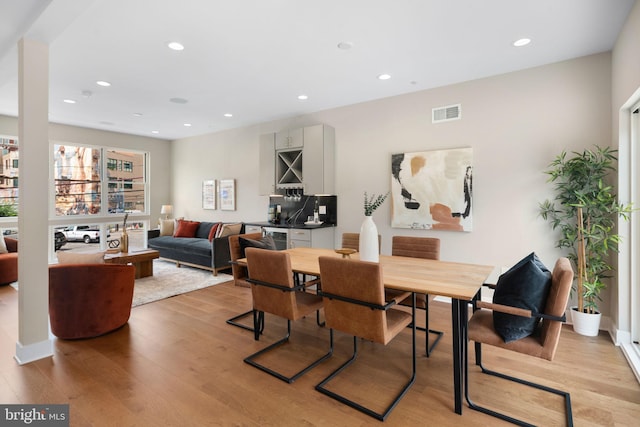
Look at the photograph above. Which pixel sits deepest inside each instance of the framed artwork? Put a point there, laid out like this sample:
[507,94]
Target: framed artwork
[432,190]
[209,194]
[228,194]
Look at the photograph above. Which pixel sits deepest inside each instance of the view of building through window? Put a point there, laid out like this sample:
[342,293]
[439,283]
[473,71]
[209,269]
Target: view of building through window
[9,177]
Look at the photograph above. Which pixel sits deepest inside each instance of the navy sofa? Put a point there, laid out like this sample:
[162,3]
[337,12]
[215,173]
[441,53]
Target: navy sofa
[196,251]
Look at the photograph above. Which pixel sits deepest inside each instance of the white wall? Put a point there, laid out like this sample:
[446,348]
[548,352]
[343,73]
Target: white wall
[516,124]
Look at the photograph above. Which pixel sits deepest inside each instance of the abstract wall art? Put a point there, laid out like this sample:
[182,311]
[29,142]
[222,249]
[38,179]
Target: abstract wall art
[432,190]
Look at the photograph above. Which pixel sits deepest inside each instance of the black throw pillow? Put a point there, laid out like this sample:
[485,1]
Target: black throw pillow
[526,285]
[265,242]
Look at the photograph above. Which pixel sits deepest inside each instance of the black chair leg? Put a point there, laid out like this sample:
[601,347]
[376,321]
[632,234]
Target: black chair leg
[250,359]
[472,405]
[379,416]
[428,331]
[234,321]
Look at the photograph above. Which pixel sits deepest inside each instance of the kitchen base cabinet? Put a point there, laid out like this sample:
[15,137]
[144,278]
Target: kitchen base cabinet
[312,238]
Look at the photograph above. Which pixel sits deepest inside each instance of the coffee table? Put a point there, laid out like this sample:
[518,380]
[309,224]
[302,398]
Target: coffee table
[141,259]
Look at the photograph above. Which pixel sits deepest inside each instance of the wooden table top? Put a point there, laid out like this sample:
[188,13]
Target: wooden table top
[132,256]
[450,279]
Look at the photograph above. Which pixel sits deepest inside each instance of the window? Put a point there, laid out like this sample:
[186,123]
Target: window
[77,180]
[127,184]
[112,164]
[9,173]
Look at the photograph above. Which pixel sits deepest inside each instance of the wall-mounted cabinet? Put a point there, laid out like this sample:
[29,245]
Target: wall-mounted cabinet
[298,158]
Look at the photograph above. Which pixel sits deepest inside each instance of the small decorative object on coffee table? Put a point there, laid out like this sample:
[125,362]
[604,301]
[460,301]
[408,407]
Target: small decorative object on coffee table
[124,239]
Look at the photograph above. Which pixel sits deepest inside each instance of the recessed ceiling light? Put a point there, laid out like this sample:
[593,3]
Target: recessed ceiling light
[345,45]
[103,83]
[187,124]
[178,100]
[137,114]
[303,97]
[155,132]
[175,46]
[228,115]
[69,101]
[521,42]
[384,76]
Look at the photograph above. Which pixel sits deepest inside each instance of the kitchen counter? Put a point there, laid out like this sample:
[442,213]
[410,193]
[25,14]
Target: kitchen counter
[296,226]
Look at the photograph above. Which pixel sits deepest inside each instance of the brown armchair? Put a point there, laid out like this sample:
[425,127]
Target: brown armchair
[543,343]
[9,262]
[418,247]
[354,303]
[88,300]
[275,291]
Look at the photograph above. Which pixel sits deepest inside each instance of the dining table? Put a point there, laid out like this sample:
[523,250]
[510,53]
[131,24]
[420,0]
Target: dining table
[459,281]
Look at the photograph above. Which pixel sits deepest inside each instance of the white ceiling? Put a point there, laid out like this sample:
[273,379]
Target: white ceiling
[252,58]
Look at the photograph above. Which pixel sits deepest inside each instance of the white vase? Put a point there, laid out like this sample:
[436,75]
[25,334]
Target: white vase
[368,248]
[586,324]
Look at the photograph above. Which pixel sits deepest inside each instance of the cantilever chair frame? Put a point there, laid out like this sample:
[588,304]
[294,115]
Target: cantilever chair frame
[321,386]
[258,326]
[426,329]
[477,305]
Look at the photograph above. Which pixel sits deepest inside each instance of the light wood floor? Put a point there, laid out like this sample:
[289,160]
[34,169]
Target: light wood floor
[177,363]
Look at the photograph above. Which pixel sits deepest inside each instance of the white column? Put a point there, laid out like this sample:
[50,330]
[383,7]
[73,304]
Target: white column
[33,136]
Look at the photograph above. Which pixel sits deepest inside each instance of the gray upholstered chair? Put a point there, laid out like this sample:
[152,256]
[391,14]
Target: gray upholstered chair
[542,344]
[354,303]
[275,291]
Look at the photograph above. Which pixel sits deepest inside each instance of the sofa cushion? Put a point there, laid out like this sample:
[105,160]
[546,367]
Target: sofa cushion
[166,227]
[213,231]
[265,242]
[204,229]
[526,285]
[65,257]
[186,228]
[229,229]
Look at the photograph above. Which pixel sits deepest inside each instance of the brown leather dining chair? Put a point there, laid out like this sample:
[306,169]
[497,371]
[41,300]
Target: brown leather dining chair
[352,241]
[353,299]
[240,273]
[542,343]
[426,248]
[275,291]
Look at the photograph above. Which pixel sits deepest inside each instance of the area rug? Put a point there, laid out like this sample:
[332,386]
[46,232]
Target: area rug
[169,280]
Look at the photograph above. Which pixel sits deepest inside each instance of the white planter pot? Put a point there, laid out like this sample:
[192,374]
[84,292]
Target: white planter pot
[368,246]
[586,324]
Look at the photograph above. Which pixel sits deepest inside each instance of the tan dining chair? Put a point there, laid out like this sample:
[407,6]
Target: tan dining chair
[542,344]
[275,291]
[352,241]
[419,247]
[240,274]
[353,298]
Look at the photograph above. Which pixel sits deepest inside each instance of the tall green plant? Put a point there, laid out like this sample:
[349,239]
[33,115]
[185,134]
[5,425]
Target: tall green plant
[8,209]
[581,181]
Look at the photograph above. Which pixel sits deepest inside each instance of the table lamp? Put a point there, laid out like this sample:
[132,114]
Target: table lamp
[166,210]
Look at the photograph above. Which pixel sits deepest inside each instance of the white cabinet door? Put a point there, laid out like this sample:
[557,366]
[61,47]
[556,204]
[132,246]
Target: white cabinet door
[292,138]
[267,153]
[318,160]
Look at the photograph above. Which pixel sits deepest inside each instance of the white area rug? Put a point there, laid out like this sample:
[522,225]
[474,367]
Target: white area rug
[169,280]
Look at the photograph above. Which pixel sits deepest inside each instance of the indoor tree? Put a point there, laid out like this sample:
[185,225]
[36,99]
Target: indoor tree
[585,211]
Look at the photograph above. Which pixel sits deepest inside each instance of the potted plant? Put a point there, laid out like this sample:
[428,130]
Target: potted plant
[585,211]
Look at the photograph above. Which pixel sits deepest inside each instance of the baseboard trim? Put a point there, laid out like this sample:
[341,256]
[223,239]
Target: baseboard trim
[32,352]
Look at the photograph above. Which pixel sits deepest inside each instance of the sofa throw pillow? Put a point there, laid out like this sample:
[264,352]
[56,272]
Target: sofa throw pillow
[265,242]
[229,229]
[186,228]
[166,227]
[525,285]
[214,230]
[3,246]
[65,257]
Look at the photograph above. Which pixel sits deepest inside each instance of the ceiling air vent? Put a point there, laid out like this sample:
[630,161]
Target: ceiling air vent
[445,114]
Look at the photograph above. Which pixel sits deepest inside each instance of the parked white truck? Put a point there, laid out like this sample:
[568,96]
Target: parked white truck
[82,233]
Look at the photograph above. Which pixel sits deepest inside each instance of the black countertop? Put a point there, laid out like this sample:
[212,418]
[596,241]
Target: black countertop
[298,226]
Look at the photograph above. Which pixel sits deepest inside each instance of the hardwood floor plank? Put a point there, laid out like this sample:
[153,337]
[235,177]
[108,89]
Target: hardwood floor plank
[178,363]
